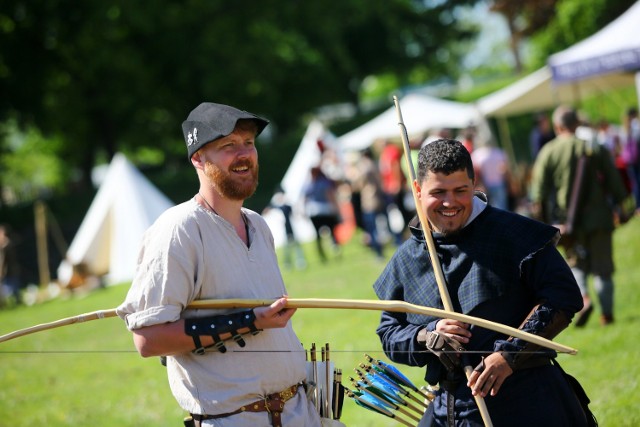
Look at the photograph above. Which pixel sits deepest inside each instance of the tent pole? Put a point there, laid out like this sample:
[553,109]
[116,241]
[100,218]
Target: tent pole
[576,95]
[505,137]
[56,232]
[638,86]
[41,242]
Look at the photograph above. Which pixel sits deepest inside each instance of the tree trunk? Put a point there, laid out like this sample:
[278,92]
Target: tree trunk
[514,45]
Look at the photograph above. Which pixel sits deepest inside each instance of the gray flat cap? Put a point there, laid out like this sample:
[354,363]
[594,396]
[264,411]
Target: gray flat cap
[209,121]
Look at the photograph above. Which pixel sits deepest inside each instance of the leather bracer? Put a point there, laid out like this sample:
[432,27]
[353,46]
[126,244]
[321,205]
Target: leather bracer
[447,349]
[215,326]
[544,321]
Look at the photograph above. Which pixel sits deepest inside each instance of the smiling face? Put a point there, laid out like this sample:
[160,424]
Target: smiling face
[447,200]
[445,185]
[231,164]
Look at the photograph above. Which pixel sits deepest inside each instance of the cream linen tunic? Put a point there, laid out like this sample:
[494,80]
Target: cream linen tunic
[191,253]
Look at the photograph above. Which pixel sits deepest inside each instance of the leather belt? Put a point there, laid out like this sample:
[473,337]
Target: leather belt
[272,403]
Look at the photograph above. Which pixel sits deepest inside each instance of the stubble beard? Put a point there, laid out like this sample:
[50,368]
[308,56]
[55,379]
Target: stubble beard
[230,187]
[445,227]
[451,232]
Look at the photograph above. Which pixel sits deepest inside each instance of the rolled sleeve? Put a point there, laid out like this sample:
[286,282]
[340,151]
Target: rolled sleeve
[164,283]
[149,317]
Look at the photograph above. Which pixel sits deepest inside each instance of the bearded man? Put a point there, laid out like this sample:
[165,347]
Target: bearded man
[211,247]
[499,266]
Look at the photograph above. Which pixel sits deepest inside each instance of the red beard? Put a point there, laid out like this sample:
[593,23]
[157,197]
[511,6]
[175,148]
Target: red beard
[230,186]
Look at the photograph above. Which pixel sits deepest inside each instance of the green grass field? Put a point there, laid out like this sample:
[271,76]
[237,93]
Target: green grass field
[90,375]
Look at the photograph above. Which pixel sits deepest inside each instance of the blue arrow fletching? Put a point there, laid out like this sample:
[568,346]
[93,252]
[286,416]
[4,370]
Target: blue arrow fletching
[389,400]
[391,382]
[366,406]
[393,372]
[369,402]
[373,400]
[386,388]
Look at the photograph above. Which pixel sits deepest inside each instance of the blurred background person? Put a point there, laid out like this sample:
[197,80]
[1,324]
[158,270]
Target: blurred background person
[293,253]
[631,150]
[10,287]
[468,137]
[491,166]
[321,205]
[581,208]
[608,136]
[541,133]
[394,186]
[364,178]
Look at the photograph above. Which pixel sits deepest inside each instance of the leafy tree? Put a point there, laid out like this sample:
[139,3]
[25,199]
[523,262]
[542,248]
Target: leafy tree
[523,19]
[105,76]
[554,25]
[30,165]
[573,21]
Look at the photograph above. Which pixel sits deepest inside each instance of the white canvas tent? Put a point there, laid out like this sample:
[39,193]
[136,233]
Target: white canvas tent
[596,65]
[613,49]
[110,234]
[420,113]
[296,179]
[537,92]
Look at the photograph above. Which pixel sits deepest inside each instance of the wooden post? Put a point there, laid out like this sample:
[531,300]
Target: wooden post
[41,243]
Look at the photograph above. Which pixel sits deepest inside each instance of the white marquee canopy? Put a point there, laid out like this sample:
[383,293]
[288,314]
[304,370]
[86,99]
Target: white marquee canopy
[614,49]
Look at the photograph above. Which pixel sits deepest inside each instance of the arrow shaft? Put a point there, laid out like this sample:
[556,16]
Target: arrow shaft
[399,389]
[393,405]
[377,409]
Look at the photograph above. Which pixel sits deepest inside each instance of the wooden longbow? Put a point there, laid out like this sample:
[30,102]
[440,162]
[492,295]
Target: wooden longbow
[433,255]
[347,304]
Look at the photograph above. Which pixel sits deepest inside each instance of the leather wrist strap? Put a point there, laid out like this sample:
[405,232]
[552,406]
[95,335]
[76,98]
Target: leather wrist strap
[216,326]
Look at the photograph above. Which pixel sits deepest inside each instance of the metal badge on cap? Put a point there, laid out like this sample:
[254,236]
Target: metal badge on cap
[192,138]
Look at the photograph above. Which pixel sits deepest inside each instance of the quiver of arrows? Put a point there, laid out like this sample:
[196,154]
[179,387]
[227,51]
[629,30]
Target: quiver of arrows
[382,388]
[324,383]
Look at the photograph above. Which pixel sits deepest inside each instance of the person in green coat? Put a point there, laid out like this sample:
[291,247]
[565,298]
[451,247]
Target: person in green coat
[583,209]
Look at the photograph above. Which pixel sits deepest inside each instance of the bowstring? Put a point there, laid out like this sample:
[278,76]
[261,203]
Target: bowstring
[269,351]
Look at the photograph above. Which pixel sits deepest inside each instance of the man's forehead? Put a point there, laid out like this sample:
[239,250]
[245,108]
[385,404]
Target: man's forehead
[458,178]
[451,175]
